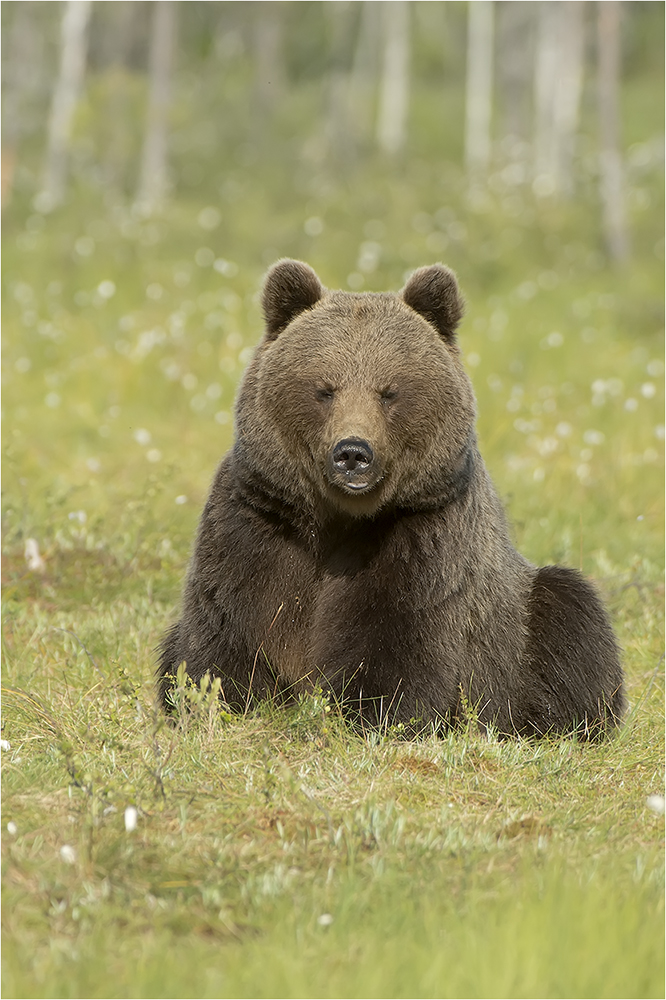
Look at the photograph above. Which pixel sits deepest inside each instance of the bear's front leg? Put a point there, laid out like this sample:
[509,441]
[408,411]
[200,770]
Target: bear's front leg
[378,647]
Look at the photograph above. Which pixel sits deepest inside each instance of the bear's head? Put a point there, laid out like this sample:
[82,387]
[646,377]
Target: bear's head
[358,402]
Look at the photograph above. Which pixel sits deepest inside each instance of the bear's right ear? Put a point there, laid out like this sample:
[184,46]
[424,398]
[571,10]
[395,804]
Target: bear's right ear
[433,292]
[290,288]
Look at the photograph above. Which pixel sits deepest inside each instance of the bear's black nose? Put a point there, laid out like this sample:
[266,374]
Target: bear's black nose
[352,456]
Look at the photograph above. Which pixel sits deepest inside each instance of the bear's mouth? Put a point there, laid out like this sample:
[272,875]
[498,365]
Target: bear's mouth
[356,487]
[356,499]
[353,486]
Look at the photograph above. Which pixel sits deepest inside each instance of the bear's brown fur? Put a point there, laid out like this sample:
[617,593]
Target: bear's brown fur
[353,538]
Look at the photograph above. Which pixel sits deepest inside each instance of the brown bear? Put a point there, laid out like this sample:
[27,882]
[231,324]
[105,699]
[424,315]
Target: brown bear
[353,538]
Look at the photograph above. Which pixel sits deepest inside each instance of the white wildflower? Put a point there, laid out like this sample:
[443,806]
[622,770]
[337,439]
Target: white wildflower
[313,226]
[234,340]
[106,289]
[35,563]
[227,268]
[204,257]
[142,436]
[85,246]
[131,816]
[209,218]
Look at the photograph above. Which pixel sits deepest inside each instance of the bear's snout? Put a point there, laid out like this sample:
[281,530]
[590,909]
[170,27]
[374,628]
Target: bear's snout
[351,464]
[352,456]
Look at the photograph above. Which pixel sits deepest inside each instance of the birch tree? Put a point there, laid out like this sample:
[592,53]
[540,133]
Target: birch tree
[545,83]
[340,133]
[267,39]
[153,178]
[394,85]
[18,75]
[557,91]
[612,190]
[362,81]
[568,94]
[478,92]
[74,27]
[515,61]
[121,27]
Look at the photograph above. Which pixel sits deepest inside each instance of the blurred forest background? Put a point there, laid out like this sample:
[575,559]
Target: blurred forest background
[155,100]
[157,157]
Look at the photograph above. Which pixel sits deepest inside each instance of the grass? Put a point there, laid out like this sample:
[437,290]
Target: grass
[447,867]
[280,854]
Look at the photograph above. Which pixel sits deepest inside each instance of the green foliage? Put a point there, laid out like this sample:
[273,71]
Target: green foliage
[280,853]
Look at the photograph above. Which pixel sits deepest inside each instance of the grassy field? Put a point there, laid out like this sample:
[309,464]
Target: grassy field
[281,855]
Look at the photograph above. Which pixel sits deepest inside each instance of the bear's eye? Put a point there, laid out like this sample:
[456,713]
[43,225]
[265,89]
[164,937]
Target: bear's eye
[388,395]
[325,395]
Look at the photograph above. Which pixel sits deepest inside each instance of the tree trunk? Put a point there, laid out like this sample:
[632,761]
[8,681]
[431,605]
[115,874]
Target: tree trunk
[362,81]
[267,37]
[570,84]
[546,74]
[339,143]
[612,191]
[394,92]
[16,84]
[65,97]
[153,179]
[515,61]
[558,85]
[478,94]
[118,154]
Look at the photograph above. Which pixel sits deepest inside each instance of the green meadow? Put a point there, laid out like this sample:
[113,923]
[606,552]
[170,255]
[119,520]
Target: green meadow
[280,854]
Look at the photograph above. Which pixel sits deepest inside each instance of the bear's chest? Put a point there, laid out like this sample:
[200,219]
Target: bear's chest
[352,599]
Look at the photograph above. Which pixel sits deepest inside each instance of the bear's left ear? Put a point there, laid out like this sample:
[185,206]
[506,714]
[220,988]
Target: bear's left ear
[290,288]
[433,292]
